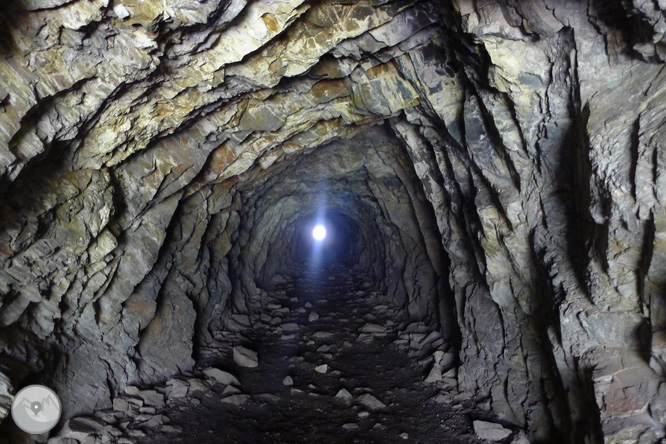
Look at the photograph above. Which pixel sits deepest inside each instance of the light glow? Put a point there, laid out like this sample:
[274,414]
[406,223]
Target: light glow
[319,232]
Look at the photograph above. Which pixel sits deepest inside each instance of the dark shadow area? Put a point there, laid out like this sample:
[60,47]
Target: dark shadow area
[333,361]
[623,27]
[11,12]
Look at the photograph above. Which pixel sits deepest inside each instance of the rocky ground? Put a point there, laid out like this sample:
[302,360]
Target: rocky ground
[326,364]
[330,367]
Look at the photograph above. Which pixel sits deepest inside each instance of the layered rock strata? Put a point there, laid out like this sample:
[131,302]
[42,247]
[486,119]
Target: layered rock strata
[496,166]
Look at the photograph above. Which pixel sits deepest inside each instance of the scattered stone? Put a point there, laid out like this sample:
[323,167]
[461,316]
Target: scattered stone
[313,317]
[373,328]
[490,431]
[344,395]
[196,385]
[363,414]
[152,398]
[236,399]
[350,426]
[322,335]
[371,402]
[288,381]
[245,357]
[435,374]
[365,337]
[321,368]
[221,376]
[231,390]
[168,429]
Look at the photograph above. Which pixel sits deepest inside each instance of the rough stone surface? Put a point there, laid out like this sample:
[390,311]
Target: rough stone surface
[6,397]
[245,357]
[493,172]
[490,431]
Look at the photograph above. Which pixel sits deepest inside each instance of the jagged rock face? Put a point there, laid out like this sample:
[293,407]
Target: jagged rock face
[495,168]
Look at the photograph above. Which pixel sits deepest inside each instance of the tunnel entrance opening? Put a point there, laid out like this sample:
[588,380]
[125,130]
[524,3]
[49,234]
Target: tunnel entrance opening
[340,243]
[319,233]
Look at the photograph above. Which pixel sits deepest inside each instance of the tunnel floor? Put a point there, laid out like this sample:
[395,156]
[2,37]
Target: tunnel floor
[372,389]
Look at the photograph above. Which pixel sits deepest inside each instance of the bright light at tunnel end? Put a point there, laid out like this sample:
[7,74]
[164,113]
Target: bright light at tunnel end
[319,232]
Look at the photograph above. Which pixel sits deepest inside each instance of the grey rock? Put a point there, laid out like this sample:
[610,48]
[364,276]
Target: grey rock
[245,357]
[176,388]
[221,376]
[370,402]
[344,396]
[236,399]
[490,431]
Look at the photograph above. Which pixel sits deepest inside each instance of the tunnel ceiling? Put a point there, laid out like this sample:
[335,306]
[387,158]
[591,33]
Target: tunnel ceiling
[493,169]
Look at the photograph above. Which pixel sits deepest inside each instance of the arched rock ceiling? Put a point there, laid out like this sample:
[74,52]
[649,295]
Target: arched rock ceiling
[134,135]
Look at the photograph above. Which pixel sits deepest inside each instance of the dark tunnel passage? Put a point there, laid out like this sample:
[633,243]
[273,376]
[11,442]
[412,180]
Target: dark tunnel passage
[312,323]
[363,313]
[379,221]
[487,174]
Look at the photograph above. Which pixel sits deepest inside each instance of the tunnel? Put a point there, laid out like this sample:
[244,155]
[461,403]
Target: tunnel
[373,221]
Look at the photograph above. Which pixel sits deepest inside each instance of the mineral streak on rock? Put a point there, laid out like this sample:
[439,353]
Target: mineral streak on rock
[495,168]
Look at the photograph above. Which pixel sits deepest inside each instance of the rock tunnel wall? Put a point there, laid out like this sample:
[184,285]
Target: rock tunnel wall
[156,160]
